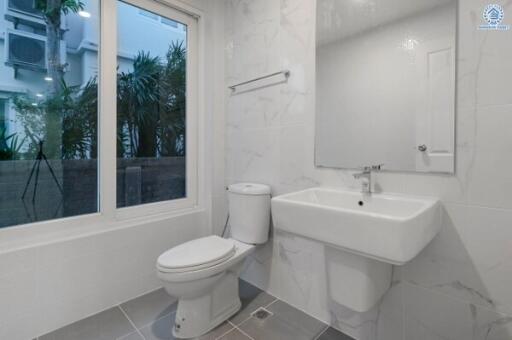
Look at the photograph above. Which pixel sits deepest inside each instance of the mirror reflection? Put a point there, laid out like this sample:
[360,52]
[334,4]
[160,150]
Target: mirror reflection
[385,84]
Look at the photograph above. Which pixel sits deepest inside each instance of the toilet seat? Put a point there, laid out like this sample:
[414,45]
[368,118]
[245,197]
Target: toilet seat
[197,254]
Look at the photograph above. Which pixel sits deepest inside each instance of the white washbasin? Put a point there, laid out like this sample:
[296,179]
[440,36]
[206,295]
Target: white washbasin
[388,228]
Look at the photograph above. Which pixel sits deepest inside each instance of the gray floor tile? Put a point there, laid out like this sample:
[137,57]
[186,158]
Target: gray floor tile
[287,322]
[154,314]
[132,336]
[162,330]
[252,298]
[297,318]
[235,334]
[217,332]
[334,334]
[272,329]
[148,308]
[107,325]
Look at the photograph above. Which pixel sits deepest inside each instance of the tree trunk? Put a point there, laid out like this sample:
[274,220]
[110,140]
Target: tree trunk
[53,141]
[147,139]
[54,37]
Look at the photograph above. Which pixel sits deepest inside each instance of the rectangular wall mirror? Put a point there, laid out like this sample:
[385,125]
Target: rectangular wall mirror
[385,84]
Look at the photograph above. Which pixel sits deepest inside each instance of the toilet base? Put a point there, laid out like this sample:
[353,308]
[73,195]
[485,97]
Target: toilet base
[197,316]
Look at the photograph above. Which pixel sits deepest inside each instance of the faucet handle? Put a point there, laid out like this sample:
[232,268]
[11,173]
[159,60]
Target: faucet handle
[377,167]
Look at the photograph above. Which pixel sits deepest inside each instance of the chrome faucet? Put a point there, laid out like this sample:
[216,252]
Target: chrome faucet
[366,176]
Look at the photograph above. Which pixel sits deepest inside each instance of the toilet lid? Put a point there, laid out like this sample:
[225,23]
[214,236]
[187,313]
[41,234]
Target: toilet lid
[196,254]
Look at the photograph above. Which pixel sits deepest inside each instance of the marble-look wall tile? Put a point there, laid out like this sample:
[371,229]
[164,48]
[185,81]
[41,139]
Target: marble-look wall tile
[252,31]
[462,277]
[253,110]
[300,268]
[292,160]
[471,258]
[433,316]
[259,266]
[254,156]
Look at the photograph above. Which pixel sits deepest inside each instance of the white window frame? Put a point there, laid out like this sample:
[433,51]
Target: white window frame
[108,206]
[108,215]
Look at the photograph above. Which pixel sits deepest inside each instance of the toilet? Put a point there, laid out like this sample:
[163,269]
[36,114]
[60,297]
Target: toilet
[203,273]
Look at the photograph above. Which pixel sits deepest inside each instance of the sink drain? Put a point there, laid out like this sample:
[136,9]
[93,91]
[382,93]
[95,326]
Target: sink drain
[261,313]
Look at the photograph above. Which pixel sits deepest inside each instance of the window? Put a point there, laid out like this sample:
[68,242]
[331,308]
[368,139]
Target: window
[48,115]
[58,137]
[151,112]
[157,18]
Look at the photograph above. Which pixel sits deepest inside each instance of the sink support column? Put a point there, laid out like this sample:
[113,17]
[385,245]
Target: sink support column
[355,281]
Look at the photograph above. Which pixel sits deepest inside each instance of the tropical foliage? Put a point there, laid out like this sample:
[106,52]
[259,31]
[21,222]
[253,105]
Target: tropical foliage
[151,105]
[10,145]
[151,108]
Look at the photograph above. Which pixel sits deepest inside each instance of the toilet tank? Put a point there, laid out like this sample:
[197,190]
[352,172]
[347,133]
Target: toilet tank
[249,212]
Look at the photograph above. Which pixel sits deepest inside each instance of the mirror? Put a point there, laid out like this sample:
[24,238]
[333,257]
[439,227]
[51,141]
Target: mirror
[385,84]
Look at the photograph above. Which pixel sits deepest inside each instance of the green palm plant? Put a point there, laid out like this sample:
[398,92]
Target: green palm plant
[172,128]
[151,106]
[79,124]
[137,95]
[10,145]
[65,121]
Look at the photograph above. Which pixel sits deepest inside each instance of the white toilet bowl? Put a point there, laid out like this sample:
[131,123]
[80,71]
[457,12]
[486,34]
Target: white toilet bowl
[203,273]
[207,295]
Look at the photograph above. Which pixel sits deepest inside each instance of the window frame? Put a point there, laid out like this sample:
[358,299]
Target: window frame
[109,188]
[108,214]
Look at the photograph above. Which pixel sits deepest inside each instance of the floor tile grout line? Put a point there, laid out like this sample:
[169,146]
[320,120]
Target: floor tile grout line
[237,326]
[160,318]
[277,299]
[241,322]
[240,330]
[322,332]
[103,310]
[226,332]
[268,305]
[131,322]
[250,315]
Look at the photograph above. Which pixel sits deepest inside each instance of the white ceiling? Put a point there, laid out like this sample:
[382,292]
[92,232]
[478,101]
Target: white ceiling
[339,19]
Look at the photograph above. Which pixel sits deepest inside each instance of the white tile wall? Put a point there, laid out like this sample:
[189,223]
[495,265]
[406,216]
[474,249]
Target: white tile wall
[45,287]
[459,286]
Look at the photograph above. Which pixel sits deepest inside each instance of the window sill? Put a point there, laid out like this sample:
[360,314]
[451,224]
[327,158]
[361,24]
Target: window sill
[44,233]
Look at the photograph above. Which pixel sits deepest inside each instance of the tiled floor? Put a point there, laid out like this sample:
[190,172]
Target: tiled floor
[151,317]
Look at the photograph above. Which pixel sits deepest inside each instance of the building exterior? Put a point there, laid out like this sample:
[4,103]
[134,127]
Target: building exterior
[23,53]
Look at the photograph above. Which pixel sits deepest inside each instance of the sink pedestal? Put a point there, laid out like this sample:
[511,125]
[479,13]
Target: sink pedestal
[355,281]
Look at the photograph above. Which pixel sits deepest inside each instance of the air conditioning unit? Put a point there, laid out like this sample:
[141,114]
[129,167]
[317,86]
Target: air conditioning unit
[27,7]
[26,50]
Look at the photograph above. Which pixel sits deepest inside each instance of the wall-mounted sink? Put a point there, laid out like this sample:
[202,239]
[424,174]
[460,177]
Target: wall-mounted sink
[389,228]
[365,233]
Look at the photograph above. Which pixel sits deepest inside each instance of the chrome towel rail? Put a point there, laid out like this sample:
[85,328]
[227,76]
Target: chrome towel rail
[285,73]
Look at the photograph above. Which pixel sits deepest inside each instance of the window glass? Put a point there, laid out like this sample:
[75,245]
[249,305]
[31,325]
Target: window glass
[148,14]
[151,109]
[48,111]
[169,22]
[3,122]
